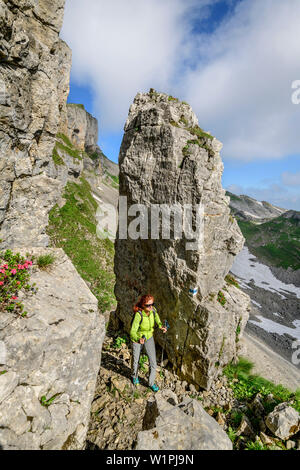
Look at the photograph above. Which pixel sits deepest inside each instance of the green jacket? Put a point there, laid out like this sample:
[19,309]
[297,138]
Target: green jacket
[145,327]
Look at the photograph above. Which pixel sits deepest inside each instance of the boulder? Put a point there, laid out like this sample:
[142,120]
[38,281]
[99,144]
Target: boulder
[183,426]
[283,421]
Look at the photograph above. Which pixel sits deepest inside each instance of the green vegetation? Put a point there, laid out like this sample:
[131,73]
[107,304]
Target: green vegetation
[255,445]
[14,276]
[142,362]
[45,402]
[174,123]
[71,151]
[200,133]
[238,330]
[186,150]
[171,98]
[73,228]
[113,177]
[233,197]
[221,298]
[111,180]
[45,260]
[201,140]
[231,280]
[276,241]
[232,434]
[76,105]
[183,120]
[65,139]
[58,160]
[120,340]
[94,156]
[245,386]
[153,94]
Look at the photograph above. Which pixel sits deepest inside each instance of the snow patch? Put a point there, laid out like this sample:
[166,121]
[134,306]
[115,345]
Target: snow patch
[245,270]
[272,327]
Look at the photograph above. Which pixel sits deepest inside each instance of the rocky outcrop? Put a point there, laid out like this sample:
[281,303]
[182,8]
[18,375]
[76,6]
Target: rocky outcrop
[284,421]
[173,426]
[165,158]
[34,83]
[248,208]
[81,127]
[49,360]
[108,166]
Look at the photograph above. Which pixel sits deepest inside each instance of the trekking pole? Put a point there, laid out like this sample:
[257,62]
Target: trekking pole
[166,325]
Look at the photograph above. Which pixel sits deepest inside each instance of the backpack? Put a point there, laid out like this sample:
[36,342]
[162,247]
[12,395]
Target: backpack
[140,312]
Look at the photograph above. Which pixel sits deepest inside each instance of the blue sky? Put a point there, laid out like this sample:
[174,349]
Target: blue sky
[233,61]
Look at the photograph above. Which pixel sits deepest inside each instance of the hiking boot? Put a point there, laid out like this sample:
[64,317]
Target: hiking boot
[154,388]
[135,381]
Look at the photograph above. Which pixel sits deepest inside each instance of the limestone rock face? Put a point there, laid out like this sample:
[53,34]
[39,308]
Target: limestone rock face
[180,426]
[34,83]
[55,353]
[165,158]
[82,128]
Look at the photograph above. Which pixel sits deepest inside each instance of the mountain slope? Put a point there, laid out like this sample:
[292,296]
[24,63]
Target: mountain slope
[247,208]
[276,242]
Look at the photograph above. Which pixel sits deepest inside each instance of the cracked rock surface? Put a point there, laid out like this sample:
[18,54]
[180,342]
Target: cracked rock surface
[53,352]
[166,158]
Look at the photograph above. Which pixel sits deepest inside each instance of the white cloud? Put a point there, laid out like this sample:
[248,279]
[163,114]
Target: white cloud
[123,47]
[238,79]
[241,90]
[291,179]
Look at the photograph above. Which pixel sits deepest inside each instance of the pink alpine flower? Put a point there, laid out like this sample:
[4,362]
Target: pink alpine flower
[14,297]
[1,283]
[2,271]
[18,282]
[13,271]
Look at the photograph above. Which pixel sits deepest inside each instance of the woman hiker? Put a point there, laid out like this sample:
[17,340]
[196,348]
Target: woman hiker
[141,334]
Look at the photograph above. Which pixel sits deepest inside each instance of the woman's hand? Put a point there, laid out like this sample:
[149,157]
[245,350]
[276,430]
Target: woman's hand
[142,341]
[163,328]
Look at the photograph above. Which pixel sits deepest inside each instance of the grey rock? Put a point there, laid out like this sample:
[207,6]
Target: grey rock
[283,421]
[290,445]
[82,128]
[56,352]
[248,208]
[245,428]
[34,80]
[8,382]
[154,170]
[2,353]
[185,426]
